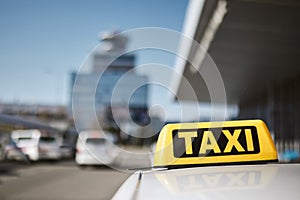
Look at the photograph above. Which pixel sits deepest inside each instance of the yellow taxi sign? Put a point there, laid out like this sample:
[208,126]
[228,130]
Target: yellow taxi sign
[209,143]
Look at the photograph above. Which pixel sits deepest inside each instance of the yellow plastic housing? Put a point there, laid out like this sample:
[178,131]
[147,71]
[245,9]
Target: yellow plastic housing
[231,130]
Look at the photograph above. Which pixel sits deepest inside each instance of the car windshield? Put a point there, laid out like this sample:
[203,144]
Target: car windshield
[24,138]
[47,139]
[24,141]
[95,141]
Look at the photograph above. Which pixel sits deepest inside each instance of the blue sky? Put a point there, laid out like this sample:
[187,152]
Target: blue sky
[41,42]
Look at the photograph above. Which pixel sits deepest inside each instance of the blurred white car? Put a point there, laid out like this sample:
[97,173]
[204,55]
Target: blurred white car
[33,145]
[95,148]
[13,152]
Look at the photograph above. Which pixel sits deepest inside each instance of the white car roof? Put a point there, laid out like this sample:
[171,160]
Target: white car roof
[25,133]
[268,181]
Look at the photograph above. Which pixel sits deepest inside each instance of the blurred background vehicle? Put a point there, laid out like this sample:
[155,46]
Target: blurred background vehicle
[95,148]
[48,148]
[13,152]
[33,145]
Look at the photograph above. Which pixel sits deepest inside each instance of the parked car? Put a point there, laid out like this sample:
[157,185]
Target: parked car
[13,152]
[95,148]
[33,145]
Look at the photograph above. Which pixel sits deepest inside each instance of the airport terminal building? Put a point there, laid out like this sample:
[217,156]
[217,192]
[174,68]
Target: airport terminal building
[256,47]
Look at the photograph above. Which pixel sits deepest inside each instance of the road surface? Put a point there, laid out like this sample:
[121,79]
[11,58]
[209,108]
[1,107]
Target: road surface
[62,181]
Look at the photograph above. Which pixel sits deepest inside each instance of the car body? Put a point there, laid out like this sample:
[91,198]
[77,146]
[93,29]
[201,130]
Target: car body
[49,148]
[13,152]
[265,181]
[214,160]
[33,145]
[95,148]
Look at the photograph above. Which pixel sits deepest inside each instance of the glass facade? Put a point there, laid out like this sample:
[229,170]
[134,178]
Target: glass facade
[119,87]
